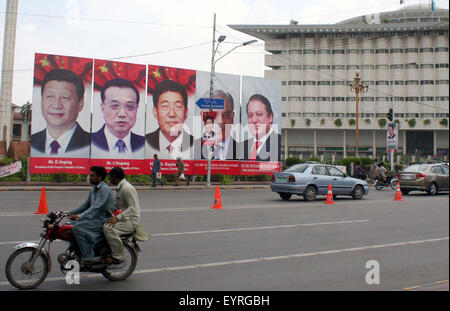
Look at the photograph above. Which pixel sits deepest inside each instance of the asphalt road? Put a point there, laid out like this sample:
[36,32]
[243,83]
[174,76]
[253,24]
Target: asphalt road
[259,242]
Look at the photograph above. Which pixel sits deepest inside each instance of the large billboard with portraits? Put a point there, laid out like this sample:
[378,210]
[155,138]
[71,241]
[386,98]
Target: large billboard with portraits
[60,128]
[124,114]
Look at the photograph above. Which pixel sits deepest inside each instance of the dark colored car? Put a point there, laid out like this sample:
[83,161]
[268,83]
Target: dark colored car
[431,178]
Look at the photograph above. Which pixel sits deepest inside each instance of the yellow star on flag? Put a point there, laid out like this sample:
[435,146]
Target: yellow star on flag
[45,62]
[156,74]
[103,68]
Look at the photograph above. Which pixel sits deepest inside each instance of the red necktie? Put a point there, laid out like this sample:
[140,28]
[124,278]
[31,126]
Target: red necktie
[54,146]
[255,150]
[170,148]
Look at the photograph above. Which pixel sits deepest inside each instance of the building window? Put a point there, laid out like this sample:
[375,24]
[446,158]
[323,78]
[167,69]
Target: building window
[442,98]
[399,98]
[411,50]
[368,67]
[352,67]
[295,82]
[382,99]
[283,99]
[427,98]
[338,114]
[412,82]
[323,51]
[294,114]
[338,83]
[427,115]
[309,51]
[350,99]
[323,114]
[441,82]
[411,115]
[325,83]
[441,65]
[283,83]
[309,67]
[323,67]
[396,66]
[309,99]
[338,99]
[382,67]
[367,82]
[426,50]
[412,99]
[441,49]
[426,66]
[367,99]
[397,82]
[399,115]
[295,51]
[338,51]
[393,51]
[426,82]
[338,67]
[352,51]
[294,98]
[309,82]
[382,82]
[411,66]
[441,115]
[17,131]
[381,51]
[323,99]
[367,51]
[309,114]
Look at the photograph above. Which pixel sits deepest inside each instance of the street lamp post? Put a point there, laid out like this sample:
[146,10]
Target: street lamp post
[358,88]
[211,84]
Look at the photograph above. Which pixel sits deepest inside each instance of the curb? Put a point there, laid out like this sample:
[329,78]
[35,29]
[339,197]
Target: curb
[163,188]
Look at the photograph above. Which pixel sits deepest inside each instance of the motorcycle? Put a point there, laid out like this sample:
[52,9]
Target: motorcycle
[390,182]
[29,265]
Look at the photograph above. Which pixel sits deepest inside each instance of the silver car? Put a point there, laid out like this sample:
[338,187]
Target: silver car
[310,180]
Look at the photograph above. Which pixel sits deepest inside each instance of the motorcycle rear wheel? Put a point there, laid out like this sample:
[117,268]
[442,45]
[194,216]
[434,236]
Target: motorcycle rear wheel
[23,276]
[124,272]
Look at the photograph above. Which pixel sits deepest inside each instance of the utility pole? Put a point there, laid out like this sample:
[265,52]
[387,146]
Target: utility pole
[358,88]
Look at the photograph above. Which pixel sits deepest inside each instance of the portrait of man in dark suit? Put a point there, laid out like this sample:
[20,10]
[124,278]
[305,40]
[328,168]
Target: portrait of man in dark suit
[62,99]
[265,144]
[170,108]
[225,146]
[120,102]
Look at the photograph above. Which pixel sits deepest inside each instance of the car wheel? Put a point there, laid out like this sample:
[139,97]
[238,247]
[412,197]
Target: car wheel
[432,189]
[285,196]
[404,191]
[358,193]
[310,193]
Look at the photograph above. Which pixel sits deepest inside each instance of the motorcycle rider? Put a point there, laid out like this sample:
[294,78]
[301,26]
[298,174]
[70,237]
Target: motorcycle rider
[91,215]
[380,172]
[359,172]
[126,202]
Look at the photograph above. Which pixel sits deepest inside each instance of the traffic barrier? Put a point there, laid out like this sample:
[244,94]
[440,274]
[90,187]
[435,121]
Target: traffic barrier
[42,208]
[217,200]
[330,196]
[398,193]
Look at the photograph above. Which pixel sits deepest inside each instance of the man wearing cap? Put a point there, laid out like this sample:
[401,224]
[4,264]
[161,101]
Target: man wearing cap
[126,218]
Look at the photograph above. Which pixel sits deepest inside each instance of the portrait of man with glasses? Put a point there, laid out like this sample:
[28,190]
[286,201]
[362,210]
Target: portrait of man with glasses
[119,105]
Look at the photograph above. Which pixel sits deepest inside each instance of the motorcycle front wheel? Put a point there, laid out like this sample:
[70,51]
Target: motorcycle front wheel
[21,274]
[124,270]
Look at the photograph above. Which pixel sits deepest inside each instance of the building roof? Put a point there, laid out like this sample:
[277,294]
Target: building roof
[380,22]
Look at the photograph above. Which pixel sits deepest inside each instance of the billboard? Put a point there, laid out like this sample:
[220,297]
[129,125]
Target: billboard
[112,113]
[392,137]
[118,115]
[60,128]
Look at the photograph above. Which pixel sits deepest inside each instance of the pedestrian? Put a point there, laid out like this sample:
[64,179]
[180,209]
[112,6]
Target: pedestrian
[180,172]
[156,171]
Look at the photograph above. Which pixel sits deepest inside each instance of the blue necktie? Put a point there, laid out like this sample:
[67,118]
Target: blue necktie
[121,146]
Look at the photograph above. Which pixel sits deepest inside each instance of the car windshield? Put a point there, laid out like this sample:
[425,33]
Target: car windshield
[416,168]
[298,168]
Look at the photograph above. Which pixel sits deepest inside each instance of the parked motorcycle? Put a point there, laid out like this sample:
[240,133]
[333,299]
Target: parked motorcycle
[29,265]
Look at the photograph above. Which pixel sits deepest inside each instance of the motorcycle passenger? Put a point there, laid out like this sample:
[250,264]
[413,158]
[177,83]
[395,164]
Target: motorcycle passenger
[380,173]
[91,215]
[372,169]
[127,221]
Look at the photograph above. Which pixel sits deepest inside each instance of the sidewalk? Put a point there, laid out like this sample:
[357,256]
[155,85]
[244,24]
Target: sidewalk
[34,186]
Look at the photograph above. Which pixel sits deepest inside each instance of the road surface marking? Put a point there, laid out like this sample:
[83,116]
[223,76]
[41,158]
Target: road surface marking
[236,229]
[263,259]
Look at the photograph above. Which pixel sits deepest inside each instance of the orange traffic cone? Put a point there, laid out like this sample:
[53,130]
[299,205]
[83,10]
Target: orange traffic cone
[329,196]
[42,209]
[398,193]
[217,201]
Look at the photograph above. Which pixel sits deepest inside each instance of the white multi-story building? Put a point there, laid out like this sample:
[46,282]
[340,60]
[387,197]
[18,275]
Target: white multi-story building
[403,58]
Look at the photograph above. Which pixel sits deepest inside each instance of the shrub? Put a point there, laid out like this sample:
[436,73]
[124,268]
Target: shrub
[338,122]
[322,122]
[382,122]
[351,122]
[308,122]
[367,121]
[227,179]
[292,122]
[443,122]
[412,122]
[292,161]
[427,122]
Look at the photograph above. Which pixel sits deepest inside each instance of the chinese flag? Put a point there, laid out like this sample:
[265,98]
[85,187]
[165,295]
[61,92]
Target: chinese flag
[157,74]
[108,70]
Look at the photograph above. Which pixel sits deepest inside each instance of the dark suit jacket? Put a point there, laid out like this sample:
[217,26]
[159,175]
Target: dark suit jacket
[268,152]
[80,139]
[99,140]
[153,140]
[232,152]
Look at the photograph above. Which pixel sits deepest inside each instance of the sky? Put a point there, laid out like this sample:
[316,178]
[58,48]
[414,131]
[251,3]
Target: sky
[175,33]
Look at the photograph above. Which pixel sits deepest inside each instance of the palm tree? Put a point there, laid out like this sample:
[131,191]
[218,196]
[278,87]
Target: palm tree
[26,111]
